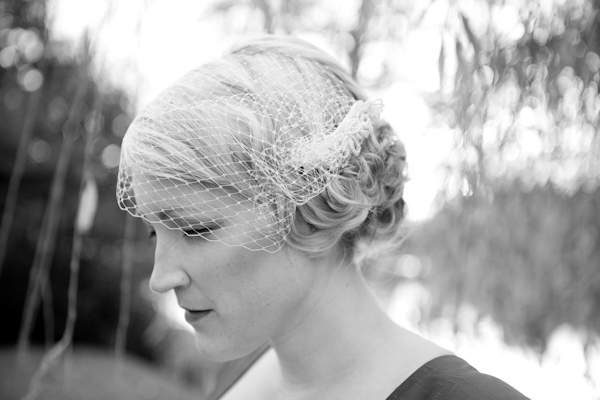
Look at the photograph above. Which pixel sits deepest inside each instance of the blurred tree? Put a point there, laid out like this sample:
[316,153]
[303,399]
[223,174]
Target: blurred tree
[523,98]
[529,259]
[363,21]
[49,99]
[519,236]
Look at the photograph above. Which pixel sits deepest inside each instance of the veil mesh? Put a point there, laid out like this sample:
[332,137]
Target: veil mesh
[230,150]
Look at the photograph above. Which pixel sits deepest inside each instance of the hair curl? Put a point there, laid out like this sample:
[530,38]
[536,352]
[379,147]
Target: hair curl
[364,204]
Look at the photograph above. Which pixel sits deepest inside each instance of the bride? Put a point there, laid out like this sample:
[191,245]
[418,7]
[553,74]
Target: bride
[262,176]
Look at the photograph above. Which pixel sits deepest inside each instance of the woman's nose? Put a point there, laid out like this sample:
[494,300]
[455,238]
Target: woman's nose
[167,274]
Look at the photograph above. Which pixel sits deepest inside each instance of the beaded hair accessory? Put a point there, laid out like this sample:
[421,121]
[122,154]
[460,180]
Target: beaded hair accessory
[230,150]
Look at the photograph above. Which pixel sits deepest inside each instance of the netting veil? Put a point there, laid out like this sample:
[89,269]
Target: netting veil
[230,150]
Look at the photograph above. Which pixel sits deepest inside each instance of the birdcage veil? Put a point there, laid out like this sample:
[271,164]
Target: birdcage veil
[242,141]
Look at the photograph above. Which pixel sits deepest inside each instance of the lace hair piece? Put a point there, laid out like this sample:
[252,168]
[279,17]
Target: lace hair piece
[330,151]
[230,150]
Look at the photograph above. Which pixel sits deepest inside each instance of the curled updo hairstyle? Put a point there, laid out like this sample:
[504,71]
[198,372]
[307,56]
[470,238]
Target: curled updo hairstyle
[361,201]
[364,205]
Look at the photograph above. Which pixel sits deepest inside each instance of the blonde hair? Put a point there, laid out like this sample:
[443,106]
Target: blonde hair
[362,201]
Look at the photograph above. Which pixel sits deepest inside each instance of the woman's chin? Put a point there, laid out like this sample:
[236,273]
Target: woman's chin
[221,352]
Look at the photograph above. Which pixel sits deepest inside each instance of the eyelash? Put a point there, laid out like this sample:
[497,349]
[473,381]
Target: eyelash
[193,233]
[188,233]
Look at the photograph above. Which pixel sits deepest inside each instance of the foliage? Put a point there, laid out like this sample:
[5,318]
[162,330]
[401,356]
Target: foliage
[519,240]
[523,97]
[67,103]
[529,259]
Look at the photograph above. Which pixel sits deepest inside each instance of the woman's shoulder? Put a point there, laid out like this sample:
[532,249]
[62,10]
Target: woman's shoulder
[449,377]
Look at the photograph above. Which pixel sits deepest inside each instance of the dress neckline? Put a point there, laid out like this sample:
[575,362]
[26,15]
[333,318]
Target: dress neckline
[403,387]
[409,382]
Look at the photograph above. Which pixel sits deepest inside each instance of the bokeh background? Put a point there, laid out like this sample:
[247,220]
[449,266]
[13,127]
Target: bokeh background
[496,101]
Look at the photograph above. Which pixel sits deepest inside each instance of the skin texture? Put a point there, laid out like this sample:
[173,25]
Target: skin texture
[329,337]
[253,295]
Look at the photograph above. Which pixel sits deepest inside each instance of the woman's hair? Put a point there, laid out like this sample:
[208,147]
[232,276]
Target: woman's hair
[278,122]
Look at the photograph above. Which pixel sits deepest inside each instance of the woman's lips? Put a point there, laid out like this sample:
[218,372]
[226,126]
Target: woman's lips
[192,316]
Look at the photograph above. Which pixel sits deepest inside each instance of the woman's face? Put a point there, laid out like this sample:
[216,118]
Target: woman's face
[236,299]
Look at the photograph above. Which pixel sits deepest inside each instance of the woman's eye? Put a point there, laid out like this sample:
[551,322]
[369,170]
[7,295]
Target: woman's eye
[191,232]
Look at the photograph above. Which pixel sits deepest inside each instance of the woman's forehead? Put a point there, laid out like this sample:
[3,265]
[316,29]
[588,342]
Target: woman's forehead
[156,197]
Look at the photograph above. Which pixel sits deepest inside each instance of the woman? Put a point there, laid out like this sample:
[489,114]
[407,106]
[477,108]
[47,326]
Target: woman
[262,176]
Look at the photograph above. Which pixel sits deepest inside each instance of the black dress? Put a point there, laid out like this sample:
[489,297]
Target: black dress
[452,378]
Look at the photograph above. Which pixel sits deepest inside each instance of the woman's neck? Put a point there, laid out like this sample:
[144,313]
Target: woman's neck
[340,332]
